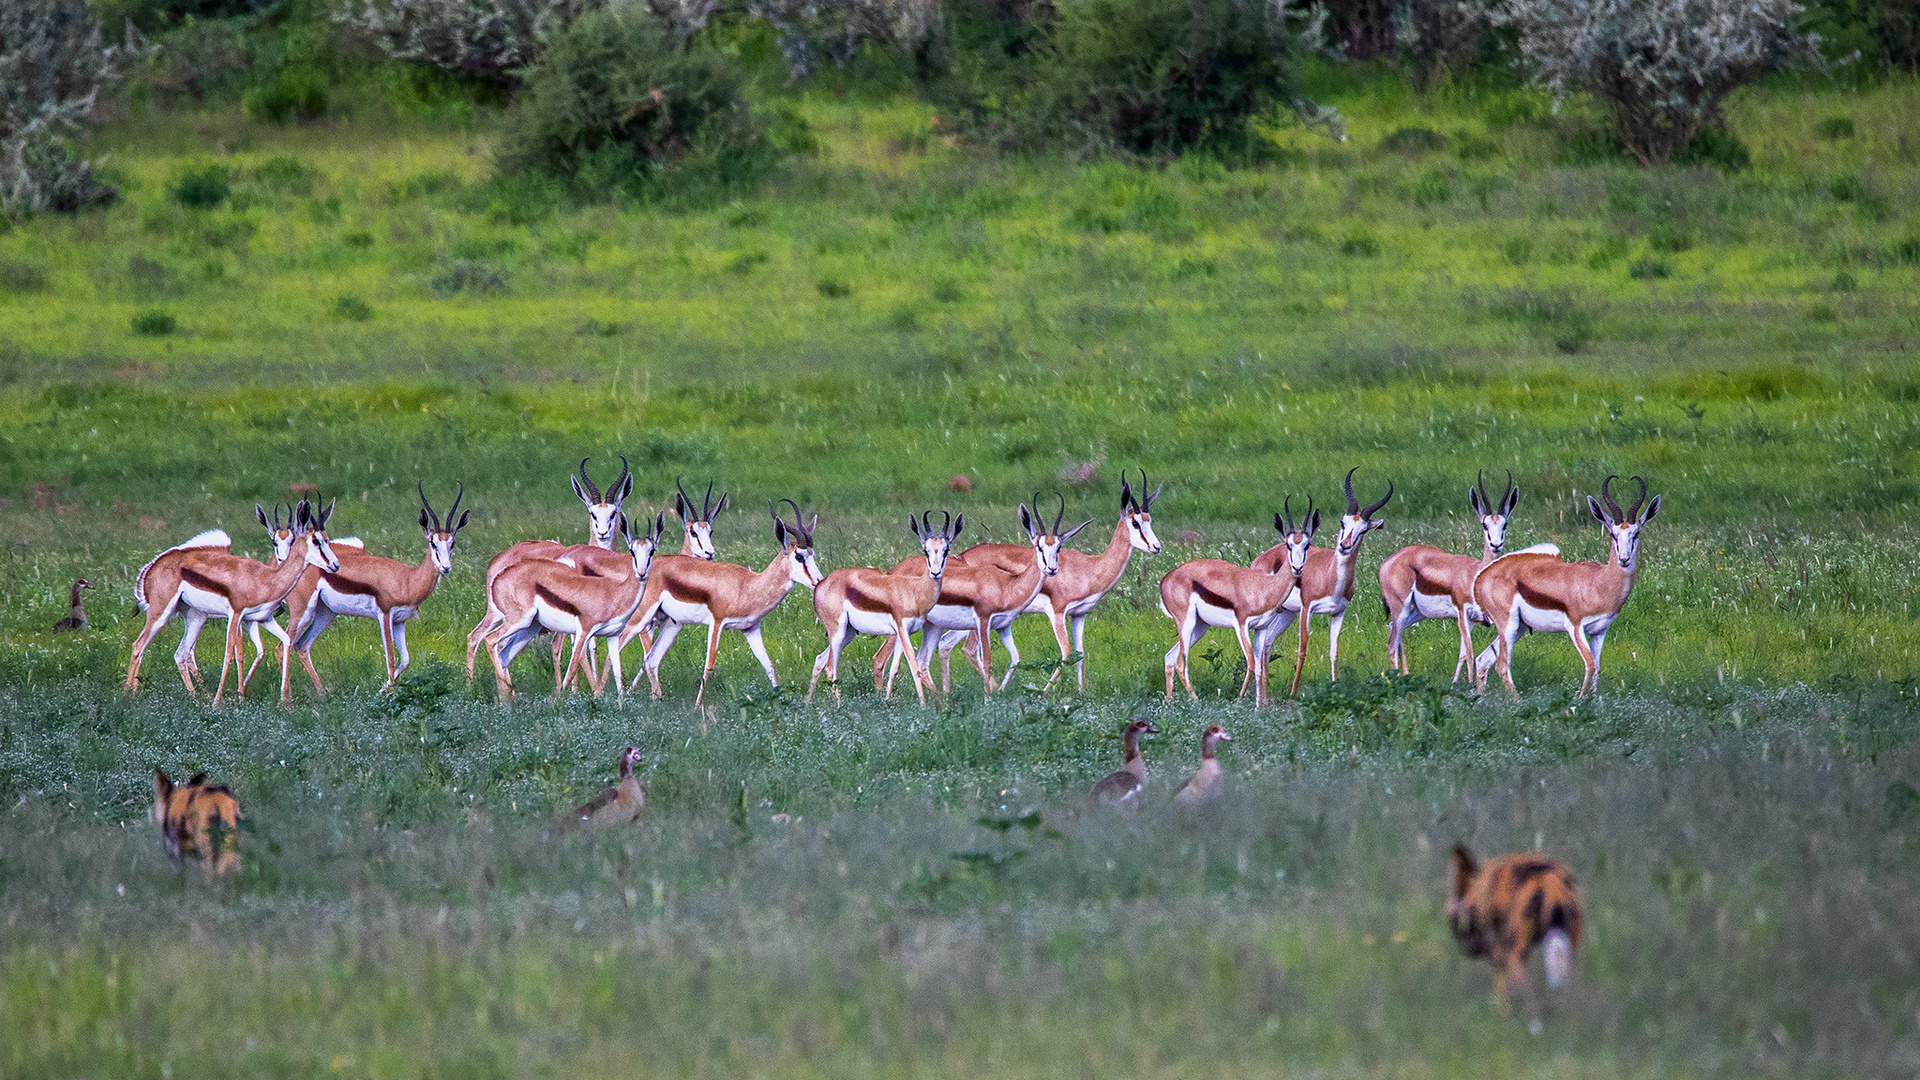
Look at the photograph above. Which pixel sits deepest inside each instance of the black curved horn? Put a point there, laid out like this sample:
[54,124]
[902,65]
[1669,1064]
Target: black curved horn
[1288,506]
[428,506]
[1607,498]
[1126,492]
[799,528]
[1634,514]
[459,493]
[626,472]
[683,505]
[1480,485]
[1061,516]
[1510,489]
[1148,505]
[1369,511]
[1353,504]
[706,504]
[587,481]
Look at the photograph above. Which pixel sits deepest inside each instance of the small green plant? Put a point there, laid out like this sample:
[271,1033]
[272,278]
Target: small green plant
[1360,245]
[1844,282]
[1670,239]
[592,327]
[1844,188]
[284,174]
[1518,250]
[205,189]
[744,262]
[1468,146]
[835,290]
[1429,189]
[1821,312]
[352,308]
[21,277]
[946,291]
[1907,251]
[1413,140]
[468,275]
[1835,127]
[359,238]
[294,94]
[1649,269]
[154,324]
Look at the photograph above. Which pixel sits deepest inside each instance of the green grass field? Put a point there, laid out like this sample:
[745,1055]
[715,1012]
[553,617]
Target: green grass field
[366,309]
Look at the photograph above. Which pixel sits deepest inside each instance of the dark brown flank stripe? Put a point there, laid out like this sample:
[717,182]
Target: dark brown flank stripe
[201,581]
[1428,587]
[1538,599]
[349,586]
[541,592]
[867,601]
[1209,596]
[688,593]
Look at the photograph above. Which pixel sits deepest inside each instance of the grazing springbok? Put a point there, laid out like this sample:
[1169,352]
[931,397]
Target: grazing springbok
[372,587]
[1326,585]
[543,595]
[209,581]
[696,544]
[1067,598]
[603,516]
[977,599]
[1423,582]
[727,596]
[1537,591]
[1201,594]
[859,600]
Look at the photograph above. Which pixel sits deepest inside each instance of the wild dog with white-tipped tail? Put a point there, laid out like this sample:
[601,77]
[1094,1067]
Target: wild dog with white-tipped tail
[1503,909]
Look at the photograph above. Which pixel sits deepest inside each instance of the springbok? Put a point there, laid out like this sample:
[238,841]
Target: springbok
[977,599]
[603,516]
[1423,582]
[386,591]
[1537,591]
[1067,598]
[211,582]
[1201,594]
[859,600]
[696,544]
[727,596]
[1326,584]
[543,595]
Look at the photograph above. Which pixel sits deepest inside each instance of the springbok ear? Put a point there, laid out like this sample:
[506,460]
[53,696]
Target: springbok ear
[1473,500]
[424,523]
[626,489]
[659,525]
[812,524]
[261,513]
[913,526]
[578,490]
[1594,506]
[780,532]
[1069,533]
[197,779]
[725,501]
[1512,500]
[464,515]
[1279,525]
[1464,867]
[1313,523]
[1026,521]
[1652,509]
[959,523]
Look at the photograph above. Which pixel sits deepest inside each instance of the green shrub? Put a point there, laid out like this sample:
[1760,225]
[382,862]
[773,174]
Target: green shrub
[294,94]
[1649,269]
[1360,245]
[1413,140]
[1558,317]
[19,277]
[1844,188]
[614,104]
[284,174]
[205,189]
[1835,127]
[154,324]
[1671,239]
[1716,147]
[352,308]
[834,290]
[1844,282]
[468,275]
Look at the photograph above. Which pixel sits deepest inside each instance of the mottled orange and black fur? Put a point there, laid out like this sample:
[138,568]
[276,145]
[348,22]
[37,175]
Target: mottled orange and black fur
[1502,910]
[198,820]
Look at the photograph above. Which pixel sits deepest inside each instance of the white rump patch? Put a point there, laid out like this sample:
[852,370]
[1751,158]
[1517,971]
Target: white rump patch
[351,541]
[1538,549]
[212,538]
[1558,952]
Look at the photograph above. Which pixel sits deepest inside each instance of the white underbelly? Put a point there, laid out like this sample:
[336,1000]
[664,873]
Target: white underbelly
[349,603]
[877,623]
[1542,620]
[1214,615]
[1434,607]
[952,617]
[682,612]
[1084,605]
[210,604]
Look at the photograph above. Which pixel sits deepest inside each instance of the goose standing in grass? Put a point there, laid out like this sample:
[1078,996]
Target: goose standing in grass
[1124,787]
[77,618]
[1207,782]
[619,804]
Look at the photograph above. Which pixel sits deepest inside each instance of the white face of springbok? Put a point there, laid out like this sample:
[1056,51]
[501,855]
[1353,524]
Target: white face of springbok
[1298,536]
[699,525]
[643,548]
[1047,541]
[1139,515]
[314,527]
[796,546]
[1623,527]
[603,510]
[936,544]
[1493,519]
[440,534]
[1358,521]
[280,536]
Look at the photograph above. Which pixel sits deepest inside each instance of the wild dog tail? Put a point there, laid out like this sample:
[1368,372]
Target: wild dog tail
[1557,949]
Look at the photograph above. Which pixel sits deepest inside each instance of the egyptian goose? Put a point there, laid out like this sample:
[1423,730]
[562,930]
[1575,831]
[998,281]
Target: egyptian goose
[1207,782]
[620,804]
[77,618]
[1123,788]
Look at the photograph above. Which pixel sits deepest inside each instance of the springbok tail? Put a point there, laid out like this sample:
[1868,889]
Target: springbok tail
[1557,950]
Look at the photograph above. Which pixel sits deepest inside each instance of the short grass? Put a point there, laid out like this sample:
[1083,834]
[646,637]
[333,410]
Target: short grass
[365,309]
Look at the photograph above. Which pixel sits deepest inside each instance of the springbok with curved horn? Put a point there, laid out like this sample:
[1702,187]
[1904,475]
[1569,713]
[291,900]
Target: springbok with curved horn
[859,600]
[603,515]
[1326,585]
[1537,591]
[1423,582]
[544,595]
[211,582]
[696,544]
[977,599]
[1067,598]
[384,590]
[727,596]
[1201,594]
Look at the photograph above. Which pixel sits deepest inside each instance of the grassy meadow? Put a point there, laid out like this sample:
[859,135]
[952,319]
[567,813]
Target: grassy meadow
[879,889]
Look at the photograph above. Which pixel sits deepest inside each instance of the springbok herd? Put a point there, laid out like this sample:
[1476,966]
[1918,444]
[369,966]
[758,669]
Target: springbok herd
[588,592]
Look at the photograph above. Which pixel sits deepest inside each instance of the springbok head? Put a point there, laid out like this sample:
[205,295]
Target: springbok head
[936,543]
[1139,514]
[312,524]
[1623,527]
[1047,541]
[602,509]
[796,544]
[1493,518]
[1358,521]
[280,536]
[1298,536]
[643,548]
[440,534]
[699,526]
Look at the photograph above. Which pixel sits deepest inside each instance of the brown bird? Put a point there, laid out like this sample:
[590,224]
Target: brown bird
[1123,788]
[77,618]
[1207,782]
[620,804]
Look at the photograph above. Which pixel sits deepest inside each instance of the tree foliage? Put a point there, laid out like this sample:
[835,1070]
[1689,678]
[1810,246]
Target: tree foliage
[54,65]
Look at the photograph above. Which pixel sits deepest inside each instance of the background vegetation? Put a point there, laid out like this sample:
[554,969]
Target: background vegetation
[318,272]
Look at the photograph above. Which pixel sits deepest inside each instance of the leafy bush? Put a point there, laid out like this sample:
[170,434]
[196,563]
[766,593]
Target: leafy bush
[490,40]
[1648,269]
[1559,317]
[1413,140]
[352,308]
[293,94]
[53,67]
[154,324]
[1661,69]
[1360,245]
[19,277]
[1716,147]
[834,290]
[468,275]
[205,189]
[615,104]
[1835,127]
[1438,38]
